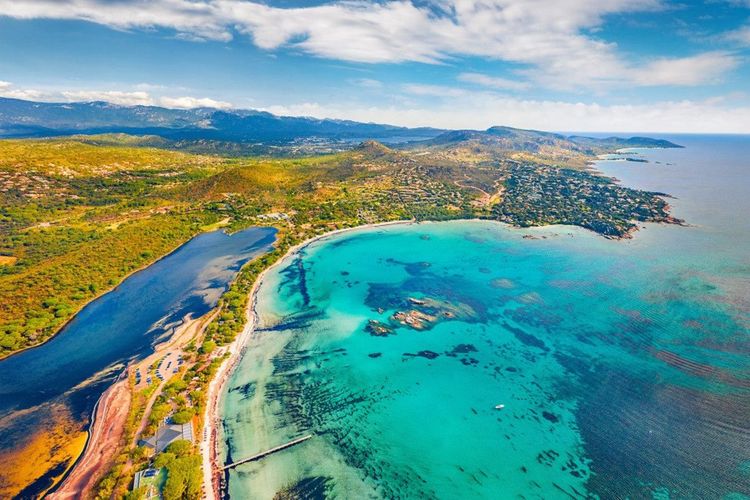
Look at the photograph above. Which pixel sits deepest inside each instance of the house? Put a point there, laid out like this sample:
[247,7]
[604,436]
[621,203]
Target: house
[150,479]
[166,434]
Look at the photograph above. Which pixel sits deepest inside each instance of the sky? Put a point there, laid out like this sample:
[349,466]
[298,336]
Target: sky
[563,65]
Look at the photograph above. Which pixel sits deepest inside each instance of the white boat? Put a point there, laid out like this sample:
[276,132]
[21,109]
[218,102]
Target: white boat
[499,407]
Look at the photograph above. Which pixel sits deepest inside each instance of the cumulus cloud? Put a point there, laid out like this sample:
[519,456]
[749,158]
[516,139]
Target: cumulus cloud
[193,102]
[198,18]
[552,39]
[111,96]
[118,97]
[7,89]
[482,111]
[696,70]
[311,109]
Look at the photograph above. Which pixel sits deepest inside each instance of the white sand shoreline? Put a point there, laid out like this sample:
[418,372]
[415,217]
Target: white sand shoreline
[209,444]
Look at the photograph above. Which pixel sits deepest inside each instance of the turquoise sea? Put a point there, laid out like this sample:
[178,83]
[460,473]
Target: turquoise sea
[623,367]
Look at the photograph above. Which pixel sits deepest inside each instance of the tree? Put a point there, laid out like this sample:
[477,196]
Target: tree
[183,417]
[183,479]
[180,448]
[164,459]
[137,494]
[208,347]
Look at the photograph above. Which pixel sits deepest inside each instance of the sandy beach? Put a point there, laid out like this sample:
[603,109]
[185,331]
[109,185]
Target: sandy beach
[209,440]
[111,412]
[105,434]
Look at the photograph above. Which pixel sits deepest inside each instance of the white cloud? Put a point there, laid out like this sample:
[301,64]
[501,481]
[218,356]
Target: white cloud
[740,36]
[492,81]
[193,102]
[433,90]
[145,86]
[480,111]
[696,70]
[7,89]
[367,83]
[118,97]
[552,38]
[311,109]
[198,18]
[111,96]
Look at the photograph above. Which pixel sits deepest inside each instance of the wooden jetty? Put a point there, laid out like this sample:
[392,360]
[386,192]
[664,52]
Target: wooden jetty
[264,454]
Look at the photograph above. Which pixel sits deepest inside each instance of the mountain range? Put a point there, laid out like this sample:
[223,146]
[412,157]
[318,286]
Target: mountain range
[19,118]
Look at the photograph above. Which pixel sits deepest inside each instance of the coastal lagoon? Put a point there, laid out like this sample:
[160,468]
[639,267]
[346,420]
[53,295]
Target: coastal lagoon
[474,360]
[47,393]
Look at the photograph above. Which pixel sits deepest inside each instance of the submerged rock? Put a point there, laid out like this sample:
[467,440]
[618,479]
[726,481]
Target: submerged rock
[378,329]
[422,354]
[415,319]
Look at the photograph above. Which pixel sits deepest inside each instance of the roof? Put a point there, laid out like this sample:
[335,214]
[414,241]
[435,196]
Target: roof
[166,434]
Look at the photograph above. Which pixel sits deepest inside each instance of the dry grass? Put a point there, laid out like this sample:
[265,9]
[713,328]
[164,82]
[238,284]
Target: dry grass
[7,260]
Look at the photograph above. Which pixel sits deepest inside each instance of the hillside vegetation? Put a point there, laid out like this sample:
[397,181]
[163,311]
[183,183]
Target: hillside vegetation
[79,214]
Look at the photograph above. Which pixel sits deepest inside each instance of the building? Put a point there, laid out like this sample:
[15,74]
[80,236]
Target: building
[150,479]
[166,434]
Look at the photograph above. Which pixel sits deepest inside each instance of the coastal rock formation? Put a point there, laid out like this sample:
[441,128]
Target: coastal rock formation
[422,314]
[378,329]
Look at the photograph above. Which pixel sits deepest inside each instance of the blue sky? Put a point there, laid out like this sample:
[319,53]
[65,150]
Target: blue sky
[587,65]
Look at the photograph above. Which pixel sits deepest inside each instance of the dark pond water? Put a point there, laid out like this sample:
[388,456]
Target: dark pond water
[62,379]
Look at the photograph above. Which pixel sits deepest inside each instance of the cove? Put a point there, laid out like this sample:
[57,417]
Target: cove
[623,367]
[50,390]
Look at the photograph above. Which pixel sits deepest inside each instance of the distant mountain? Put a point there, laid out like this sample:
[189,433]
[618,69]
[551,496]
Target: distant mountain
[20,118]
[503,138]
[534,141]
[206,129]
[621,143]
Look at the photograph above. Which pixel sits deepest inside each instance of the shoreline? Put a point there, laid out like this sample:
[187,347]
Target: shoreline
[99,450]
[209,445]
[105,292]
[109,416]
[209,440]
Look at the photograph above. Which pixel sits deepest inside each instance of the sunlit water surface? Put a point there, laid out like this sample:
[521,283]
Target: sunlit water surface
[623,366]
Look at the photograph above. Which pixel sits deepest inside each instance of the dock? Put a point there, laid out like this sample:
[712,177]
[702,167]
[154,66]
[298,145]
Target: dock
[264,454]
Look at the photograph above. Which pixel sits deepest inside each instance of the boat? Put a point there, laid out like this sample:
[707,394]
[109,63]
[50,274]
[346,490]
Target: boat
[499,407]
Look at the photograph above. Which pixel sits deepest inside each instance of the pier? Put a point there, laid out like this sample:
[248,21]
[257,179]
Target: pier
[264,454]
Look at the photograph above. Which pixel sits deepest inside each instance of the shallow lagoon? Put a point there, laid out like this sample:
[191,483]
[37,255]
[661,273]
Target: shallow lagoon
[624,367]
[47,393]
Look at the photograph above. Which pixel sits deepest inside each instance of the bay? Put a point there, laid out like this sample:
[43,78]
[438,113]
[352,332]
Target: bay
[622,367]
